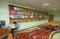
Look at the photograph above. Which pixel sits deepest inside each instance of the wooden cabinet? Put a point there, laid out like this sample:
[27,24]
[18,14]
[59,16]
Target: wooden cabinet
[21,14]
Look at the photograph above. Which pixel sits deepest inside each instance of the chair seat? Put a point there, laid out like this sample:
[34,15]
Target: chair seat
[55,35]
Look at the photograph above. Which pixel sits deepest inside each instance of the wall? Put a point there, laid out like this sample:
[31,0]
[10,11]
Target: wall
[31,24]
[4,11]
[56,16]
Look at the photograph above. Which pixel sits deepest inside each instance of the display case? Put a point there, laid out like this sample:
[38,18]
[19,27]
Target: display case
[21,14]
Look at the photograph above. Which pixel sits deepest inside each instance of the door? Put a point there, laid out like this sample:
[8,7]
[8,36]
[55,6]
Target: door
[51,18]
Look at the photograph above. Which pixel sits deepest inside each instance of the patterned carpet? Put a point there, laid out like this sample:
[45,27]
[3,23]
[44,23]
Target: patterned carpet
[38,33]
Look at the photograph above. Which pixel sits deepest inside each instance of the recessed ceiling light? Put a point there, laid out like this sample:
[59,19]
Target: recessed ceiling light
[46,4]
[55,9]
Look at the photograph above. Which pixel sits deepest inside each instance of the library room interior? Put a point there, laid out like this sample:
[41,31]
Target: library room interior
[29,19]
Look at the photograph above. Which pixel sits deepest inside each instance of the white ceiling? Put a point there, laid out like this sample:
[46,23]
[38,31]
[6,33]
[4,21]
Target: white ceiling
[38,4]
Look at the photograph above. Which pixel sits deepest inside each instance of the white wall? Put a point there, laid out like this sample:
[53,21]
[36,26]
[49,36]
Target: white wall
[4,11]
[31,24]
[57,17]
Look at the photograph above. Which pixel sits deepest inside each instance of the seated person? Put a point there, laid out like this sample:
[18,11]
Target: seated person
[13,27]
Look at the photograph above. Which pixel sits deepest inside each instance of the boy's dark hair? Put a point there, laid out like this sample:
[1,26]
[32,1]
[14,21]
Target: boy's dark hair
[15,22]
